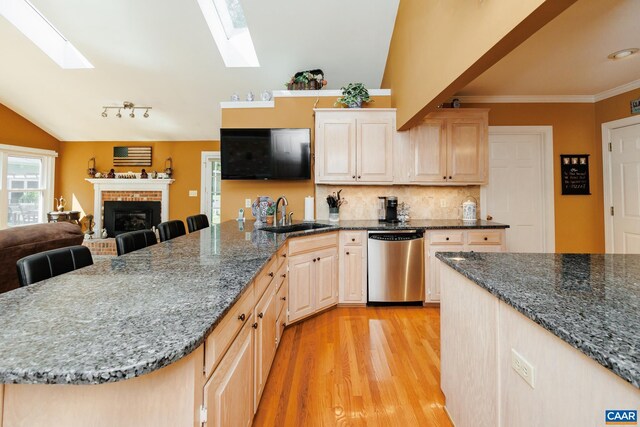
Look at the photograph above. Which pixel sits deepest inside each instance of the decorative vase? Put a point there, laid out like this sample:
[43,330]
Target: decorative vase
[357,104]
[334,214]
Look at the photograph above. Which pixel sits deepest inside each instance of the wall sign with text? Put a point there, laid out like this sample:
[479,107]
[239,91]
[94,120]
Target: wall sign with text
[574,173]
[635,106]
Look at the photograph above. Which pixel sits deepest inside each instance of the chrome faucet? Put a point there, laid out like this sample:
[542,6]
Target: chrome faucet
[283,214]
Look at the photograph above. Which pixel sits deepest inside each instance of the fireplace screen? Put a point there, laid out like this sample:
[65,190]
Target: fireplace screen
[122,217]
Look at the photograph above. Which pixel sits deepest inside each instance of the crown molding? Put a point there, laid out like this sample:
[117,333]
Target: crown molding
[617,90]
[323,92]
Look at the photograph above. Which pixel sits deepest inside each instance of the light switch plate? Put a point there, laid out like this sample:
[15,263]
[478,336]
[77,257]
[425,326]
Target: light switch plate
[247,203]
[193,193]
[443,203]
[523,368]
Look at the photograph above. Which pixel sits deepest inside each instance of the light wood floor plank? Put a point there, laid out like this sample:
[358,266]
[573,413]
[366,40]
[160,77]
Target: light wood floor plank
[356,366]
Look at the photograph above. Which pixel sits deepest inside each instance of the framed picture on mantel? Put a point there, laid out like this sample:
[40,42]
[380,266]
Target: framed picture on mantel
[574,174]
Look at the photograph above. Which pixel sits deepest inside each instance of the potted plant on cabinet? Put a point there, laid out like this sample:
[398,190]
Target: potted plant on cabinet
[354,95]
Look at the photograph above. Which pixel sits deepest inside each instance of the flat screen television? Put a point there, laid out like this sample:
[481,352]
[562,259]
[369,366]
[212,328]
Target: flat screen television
[265,153]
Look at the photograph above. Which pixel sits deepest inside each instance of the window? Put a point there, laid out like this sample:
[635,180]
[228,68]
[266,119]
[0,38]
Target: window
[26,185]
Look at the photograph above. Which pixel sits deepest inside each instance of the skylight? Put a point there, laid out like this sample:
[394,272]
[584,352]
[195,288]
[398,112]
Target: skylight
[26,18]
[228,26]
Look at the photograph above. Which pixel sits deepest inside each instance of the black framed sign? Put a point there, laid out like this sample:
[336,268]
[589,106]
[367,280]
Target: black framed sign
[574,173]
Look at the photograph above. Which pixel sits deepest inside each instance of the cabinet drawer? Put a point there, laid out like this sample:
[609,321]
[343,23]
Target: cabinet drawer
[218,341]
[311,243]
[282,255]
[281,301]
[351,238]
[281,276]
[265,277]
[446,237]
[484,237]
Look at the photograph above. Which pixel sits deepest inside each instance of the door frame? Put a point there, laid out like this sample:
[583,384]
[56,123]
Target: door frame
[607,128]
[205,194]
[548,194]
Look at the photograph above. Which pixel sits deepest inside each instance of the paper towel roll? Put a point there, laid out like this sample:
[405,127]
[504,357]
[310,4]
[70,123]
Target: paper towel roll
[308,208]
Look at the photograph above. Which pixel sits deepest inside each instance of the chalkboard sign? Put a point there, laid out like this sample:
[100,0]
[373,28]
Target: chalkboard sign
[575,174]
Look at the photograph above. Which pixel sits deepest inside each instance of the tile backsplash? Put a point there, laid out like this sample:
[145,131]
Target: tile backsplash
[424,202]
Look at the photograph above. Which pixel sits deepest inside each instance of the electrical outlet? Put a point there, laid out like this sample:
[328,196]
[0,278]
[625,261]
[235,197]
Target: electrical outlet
[523,368]
[443,203]
[247,203]
[247,236]
[193,193]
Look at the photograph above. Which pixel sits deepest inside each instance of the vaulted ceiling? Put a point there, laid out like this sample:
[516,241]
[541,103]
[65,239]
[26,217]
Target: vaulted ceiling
[162,54]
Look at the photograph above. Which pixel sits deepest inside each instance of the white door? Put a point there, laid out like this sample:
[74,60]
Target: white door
[520,188]
[625,189]
[210,186]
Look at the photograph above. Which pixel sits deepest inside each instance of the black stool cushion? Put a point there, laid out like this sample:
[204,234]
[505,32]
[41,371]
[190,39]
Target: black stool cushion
[197,222]
[171,229]
[47,264]
[134,240]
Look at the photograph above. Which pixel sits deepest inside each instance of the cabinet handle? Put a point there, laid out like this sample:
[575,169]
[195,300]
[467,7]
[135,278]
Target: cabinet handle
[283,298]
[255,325]
[314,260]
[271,274]
[358,176]
[242,317]
[354,177]
[261,315]
[447,239]
[486,238]
[449,177]
[353,240]
[284,275]
[284,255]
[347,253]
[444,177]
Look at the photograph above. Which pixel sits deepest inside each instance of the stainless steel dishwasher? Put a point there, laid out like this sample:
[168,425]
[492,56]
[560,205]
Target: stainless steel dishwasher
[395,267]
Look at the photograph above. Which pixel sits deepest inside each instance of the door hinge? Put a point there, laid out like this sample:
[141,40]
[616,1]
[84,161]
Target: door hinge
[203,415]
[610,147]
[611,210]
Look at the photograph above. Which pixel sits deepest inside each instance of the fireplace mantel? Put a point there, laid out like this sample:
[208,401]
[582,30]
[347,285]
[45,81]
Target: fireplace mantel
[121,184]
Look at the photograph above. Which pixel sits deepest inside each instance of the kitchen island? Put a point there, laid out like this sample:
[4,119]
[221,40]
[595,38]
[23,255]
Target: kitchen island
[544,339]
[126,341]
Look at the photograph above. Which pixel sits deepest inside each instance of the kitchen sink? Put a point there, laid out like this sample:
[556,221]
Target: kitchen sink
[295,227]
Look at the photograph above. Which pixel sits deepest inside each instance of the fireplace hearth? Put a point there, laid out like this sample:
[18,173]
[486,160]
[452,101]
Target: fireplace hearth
[124,216]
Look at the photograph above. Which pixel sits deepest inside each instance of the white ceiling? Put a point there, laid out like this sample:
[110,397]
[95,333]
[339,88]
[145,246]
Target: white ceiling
[569,55]
[161,54]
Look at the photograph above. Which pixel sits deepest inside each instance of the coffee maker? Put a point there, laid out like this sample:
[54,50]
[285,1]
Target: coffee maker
[388,209]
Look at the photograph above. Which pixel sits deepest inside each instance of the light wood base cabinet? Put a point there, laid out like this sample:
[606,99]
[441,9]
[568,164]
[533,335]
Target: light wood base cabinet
[353,267]
[455,240]
[228,394]
[265,327]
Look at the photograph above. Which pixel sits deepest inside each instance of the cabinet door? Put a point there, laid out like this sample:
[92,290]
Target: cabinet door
[335,149]
[433,275]
[467,150]
[353,275]
[428,150]
[301,286]
[228,394]
[326,277]
[265,339]
[374,148]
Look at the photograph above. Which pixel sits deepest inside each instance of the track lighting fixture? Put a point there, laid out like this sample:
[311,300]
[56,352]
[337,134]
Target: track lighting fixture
[126,105]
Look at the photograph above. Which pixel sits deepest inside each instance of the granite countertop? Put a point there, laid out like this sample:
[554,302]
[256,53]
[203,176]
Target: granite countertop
[416,224]
[592,302]
[126,316]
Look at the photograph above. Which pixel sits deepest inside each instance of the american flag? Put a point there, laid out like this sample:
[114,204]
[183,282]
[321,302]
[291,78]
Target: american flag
[131,156]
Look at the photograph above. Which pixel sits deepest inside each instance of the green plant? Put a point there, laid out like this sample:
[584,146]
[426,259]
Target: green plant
[30,197]
[271,209]
[354,95]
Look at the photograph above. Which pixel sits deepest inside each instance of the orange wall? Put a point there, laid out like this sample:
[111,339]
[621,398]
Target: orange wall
[16,130]
[186,165]
[438,47]
[578,219]
[288,113]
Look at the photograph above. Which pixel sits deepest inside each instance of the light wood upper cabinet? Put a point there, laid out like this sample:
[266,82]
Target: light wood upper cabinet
[228,394]
[428,151]
[353,147]
[335,148]
[447,148]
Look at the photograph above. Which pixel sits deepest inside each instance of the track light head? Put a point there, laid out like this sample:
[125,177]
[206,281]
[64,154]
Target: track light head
[146,114]
[119,115]
[104,113]
[132,115]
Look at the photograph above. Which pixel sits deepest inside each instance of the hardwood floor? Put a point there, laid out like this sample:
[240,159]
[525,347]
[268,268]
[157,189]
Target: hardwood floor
[355,367]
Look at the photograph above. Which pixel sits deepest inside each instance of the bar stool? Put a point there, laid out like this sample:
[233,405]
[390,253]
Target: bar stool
[134,240]
[47,264]
[171,229]
[197,222]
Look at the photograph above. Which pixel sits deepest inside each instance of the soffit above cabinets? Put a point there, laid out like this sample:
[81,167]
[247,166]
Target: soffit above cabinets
[568,57]
[164,55]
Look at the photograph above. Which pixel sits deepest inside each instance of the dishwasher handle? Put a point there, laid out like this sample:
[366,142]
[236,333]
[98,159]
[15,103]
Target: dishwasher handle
[390,237]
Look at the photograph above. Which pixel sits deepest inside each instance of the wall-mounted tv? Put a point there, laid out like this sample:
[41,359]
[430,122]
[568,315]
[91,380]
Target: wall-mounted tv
[265,153]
